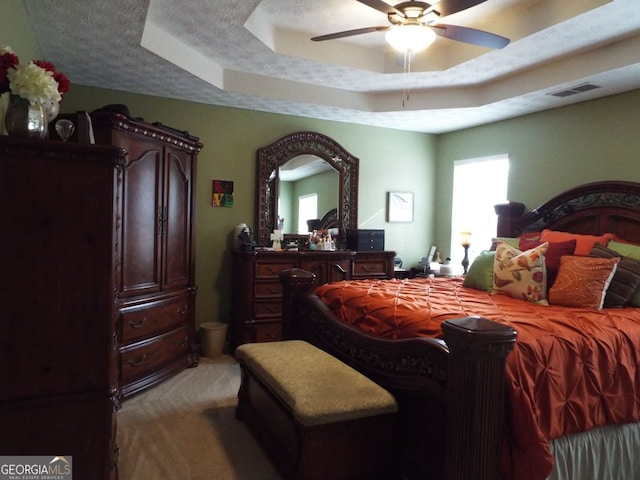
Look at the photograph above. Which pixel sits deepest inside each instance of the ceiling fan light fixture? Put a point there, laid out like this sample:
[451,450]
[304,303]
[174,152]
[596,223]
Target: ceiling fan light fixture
[412,38]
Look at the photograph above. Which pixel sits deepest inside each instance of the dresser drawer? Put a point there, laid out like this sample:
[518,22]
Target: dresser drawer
[143,321]
[268,289]
[369,269]
[268,308]
[326,271]
[146,357]
[268,332]
[272,269]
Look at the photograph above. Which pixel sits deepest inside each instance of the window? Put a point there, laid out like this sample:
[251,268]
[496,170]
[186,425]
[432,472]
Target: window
[478,185]
[307,210]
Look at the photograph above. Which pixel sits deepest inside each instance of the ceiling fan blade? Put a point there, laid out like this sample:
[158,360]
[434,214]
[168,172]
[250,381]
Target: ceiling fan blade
[449,7]
[471,35]
[349,33]
[383,7]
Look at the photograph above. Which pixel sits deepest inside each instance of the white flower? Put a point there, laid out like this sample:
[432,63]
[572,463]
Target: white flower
[33,83]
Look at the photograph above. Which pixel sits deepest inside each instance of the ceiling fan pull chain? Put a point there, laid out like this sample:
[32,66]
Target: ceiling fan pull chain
[408,55]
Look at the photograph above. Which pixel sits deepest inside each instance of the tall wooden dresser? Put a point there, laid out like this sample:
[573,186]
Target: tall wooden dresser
[256,311]
[156,279]
[59,265]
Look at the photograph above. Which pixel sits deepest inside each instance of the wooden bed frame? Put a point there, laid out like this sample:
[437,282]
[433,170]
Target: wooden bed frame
[451,391]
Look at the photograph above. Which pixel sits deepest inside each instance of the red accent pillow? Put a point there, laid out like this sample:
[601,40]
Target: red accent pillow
[551,256]
[584,243]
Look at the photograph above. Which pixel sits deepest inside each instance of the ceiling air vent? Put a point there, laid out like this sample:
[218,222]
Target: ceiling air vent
[575,90]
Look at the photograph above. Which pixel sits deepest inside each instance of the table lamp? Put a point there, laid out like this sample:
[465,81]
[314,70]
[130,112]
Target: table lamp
[465,240]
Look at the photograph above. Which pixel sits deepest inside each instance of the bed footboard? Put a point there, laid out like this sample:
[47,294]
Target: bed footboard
[451,392]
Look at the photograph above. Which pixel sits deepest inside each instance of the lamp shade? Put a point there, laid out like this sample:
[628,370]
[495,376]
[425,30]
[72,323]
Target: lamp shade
[410,37]
[465,239]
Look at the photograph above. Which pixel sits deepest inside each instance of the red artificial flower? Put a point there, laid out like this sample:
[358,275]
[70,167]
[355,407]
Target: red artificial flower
[61,78]
[7,61]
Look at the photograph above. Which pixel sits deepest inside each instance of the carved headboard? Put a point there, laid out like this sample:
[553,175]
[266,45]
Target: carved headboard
[593,208]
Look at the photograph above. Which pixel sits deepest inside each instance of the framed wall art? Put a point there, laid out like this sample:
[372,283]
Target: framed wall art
[222,195]
[399,207]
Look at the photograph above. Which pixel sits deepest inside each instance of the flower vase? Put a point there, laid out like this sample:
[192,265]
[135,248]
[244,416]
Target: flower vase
[25,120]
[51,110]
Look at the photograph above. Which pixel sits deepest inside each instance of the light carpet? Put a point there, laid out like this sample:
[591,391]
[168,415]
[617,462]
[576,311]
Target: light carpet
[185,429]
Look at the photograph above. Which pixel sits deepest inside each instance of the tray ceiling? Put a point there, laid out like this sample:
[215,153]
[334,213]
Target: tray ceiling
[257,55]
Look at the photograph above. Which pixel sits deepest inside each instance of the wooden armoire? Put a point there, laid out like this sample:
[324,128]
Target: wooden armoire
[97,284]
[59,257]
[156,278]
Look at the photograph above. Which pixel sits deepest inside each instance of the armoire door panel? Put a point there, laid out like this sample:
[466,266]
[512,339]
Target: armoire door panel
[141,224]
[177,229]
[56,271]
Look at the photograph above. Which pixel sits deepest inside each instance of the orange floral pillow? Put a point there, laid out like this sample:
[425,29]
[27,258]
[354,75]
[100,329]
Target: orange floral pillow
[584,243]
[521,274]
[582,282]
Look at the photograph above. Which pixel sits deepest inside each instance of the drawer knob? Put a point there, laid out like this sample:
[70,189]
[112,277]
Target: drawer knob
[182,310]
[137,363]
[183,342]
[132,324]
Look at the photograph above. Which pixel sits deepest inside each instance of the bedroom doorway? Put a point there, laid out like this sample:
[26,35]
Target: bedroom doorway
[473,207]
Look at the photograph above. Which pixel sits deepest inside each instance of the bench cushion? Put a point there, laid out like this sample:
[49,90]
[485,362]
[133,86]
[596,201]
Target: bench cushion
[317,387]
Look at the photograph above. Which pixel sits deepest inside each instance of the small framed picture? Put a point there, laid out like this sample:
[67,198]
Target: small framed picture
[399,207]
[222,195]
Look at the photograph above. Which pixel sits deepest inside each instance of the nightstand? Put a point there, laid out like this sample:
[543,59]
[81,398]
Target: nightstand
[402,273]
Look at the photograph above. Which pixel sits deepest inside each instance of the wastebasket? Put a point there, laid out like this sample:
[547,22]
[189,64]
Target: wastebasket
[212,337]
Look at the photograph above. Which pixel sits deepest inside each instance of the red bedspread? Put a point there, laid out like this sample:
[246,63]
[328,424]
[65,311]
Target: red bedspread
[571,370]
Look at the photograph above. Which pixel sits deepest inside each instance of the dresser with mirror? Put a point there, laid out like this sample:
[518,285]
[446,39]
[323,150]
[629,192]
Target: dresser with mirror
[287,169]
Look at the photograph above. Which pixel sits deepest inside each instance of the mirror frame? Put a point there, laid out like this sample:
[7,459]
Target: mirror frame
[271,157]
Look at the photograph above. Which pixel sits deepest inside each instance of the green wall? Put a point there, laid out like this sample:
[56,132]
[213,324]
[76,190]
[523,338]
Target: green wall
[549,152]
[15,31]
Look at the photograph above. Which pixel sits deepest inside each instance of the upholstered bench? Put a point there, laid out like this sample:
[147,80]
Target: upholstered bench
[317,417]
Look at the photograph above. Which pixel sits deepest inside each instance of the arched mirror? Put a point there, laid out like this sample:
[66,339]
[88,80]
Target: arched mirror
[289,168]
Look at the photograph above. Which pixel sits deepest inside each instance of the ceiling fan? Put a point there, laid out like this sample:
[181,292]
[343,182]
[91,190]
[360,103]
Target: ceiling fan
[414,25]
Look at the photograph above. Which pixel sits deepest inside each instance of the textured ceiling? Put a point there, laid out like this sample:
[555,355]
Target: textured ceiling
[257,55]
